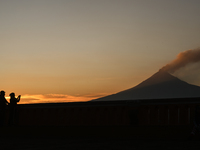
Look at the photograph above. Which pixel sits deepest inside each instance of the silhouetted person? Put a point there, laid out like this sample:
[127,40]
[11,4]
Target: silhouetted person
[13,106]
[3,104]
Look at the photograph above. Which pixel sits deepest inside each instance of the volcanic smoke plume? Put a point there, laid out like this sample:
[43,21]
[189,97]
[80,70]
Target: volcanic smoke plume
[183,59]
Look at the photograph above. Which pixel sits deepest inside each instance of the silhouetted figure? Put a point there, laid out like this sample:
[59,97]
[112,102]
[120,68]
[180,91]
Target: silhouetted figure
[196,129]
[3,104]
[13,106]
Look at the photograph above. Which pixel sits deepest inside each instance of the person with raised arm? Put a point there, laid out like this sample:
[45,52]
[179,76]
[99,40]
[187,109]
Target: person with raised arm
[13,105]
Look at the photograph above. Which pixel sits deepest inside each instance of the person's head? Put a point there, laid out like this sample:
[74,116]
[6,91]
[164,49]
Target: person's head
[12,95]
[2,93]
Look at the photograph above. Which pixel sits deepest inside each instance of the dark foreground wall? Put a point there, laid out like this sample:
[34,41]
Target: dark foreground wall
[162,112]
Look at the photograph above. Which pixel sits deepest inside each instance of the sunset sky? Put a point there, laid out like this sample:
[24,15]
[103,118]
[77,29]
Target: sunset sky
[78,50]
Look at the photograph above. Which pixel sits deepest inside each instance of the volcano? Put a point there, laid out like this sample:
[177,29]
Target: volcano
[161,85]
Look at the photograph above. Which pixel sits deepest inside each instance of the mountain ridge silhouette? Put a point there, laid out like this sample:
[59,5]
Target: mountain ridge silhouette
[160,85]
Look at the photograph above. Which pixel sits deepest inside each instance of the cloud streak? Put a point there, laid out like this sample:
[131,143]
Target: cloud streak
[182,60]
[56,98]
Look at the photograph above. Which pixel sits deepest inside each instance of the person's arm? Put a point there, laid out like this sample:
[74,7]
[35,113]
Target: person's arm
[6,102]
[18,98]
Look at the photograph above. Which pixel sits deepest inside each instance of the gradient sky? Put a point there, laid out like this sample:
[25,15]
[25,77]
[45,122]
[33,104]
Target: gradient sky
[77,50]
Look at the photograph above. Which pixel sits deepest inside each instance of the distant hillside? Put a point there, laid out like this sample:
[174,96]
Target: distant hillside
[159,85]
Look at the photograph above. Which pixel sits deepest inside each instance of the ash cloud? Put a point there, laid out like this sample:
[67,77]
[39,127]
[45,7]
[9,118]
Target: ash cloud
[182,60]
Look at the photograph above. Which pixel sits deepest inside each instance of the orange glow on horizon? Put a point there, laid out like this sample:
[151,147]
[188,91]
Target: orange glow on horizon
[76,51]
[56,98]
